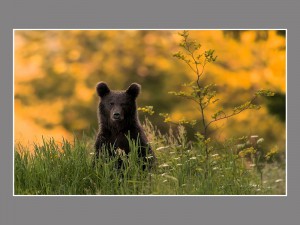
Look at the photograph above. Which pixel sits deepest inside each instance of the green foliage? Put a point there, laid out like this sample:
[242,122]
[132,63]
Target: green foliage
[66,169]
[166,117]
[195,60]
[68,73]
[266,93]
[204,96]
[147,109]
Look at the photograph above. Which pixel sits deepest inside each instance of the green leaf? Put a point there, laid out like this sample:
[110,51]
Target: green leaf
[218,113]
[266,93]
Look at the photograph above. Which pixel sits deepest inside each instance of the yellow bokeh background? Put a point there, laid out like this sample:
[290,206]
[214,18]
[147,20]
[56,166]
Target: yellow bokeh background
[55,73]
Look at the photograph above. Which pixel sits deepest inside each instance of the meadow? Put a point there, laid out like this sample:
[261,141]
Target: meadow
[182,168]
[220,111]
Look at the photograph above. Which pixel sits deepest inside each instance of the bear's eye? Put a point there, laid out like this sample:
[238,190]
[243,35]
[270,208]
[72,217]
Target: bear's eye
[111,103]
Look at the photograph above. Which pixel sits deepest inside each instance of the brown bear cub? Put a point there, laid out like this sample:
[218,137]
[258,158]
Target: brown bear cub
[118,120]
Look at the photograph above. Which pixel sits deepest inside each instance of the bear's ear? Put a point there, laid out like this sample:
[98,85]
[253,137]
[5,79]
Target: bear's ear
[102,89]
[134,90]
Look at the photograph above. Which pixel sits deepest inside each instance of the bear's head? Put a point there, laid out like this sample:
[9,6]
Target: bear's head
[117,106]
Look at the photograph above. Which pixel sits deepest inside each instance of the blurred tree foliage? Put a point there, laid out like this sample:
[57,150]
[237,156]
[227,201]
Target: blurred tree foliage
[56,72]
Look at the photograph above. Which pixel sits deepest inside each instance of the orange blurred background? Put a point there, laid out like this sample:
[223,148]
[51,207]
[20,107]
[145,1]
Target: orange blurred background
[55,73]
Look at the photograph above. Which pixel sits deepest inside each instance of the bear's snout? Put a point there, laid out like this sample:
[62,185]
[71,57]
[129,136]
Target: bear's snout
[116,116]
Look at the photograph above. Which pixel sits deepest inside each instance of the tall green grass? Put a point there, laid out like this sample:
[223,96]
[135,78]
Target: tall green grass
[181,169]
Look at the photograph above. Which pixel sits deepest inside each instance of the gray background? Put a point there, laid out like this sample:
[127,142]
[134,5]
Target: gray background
[147,14]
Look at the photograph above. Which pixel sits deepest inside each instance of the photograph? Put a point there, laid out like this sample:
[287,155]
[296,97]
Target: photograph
[149,112]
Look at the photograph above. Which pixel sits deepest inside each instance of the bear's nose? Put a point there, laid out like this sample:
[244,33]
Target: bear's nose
[116,116]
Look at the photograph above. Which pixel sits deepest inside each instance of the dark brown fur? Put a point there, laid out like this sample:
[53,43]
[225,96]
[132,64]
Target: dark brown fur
[118,117]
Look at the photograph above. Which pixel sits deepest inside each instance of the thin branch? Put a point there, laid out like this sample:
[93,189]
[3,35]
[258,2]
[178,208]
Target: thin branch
[233,114]
[190,66]
[203,118]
